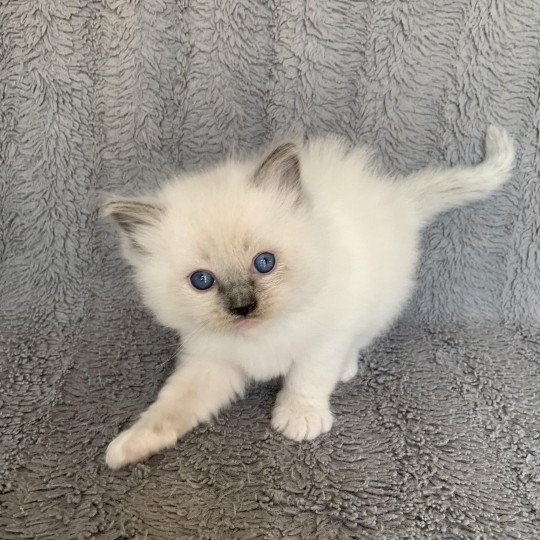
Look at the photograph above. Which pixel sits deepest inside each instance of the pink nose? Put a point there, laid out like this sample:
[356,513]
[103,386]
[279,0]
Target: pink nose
[244,310]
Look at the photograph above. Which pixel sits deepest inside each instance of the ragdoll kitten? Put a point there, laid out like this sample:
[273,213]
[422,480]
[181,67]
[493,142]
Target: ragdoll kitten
[287,265]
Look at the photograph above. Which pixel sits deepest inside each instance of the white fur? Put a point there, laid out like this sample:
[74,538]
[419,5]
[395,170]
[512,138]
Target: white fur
[346,257]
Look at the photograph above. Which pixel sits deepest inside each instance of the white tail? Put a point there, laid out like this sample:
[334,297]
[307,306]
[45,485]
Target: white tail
[437,190]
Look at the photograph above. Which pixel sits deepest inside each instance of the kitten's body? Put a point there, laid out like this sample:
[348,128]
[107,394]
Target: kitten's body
[362,268]
[346,245]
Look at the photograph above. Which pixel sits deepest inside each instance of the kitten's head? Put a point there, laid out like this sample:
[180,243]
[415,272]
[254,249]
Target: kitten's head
[225,250]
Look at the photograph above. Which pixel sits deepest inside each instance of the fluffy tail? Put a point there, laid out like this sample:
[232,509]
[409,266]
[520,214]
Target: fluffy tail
[435,191]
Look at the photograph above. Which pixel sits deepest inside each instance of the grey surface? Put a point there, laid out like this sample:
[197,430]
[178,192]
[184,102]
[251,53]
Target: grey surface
[439,435]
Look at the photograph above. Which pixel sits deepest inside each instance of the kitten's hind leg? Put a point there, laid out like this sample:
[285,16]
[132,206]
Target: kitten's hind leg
[191,395]
[350,365]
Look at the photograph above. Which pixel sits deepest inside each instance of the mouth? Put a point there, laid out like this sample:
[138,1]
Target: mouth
[247,323]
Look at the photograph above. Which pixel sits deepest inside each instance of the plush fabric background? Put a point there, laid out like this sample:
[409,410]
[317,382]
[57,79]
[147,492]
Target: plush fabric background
[439,435]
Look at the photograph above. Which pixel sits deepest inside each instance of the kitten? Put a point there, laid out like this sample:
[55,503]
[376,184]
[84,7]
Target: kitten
[287,265]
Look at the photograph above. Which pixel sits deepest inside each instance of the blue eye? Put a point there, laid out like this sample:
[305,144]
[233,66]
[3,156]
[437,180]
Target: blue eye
[202,280]
[264,262]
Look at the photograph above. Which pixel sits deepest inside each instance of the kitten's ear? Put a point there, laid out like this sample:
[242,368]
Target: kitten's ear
[133,215]
[282,166]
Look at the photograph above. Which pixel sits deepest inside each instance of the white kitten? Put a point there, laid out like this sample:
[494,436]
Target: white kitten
[283,266]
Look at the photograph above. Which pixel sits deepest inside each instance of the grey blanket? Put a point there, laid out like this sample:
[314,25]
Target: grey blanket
[437,437]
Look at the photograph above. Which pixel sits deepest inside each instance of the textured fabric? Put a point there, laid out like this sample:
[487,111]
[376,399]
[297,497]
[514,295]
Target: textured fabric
[437,437]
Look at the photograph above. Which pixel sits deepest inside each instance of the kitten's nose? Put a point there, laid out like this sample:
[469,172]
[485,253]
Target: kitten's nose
[244,310]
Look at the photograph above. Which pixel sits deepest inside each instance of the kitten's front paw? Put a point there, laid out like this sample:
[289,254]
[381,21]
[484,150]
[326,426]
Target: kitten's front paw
[137,443]
[299,420]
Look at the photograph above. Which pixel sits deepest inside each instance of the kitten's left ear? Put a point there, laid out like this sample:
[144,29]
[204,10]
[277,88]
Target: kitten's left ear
[281,166]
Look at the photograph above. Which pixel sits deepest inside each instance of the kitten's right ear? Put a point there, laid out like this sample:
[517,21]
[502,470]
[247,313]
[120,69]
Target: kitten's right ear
[133,215]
